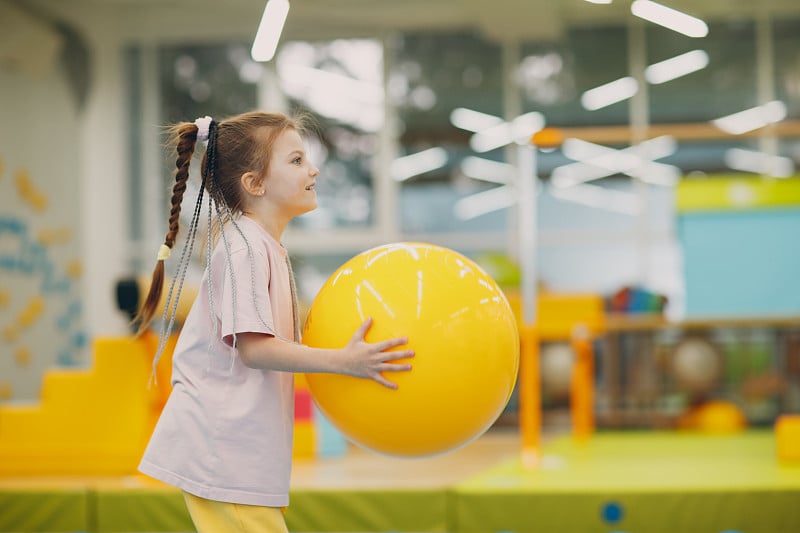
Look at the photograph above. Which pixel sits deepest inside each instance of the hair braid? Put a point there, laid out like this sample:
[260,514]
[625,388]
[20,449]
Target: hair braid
[185,135]
[211,168]
[185,152]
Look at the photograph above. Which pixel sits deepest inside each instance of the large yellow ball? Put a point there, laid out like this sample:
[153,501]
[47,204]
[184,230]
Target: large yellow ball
[460,326]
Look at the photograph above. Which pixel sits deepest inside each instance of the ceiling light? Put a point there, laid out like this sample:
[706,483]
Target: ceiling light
[599,197]
[470,120]
[595,161]
[518,130]
[524,126]
[624,88]
[759,163]
[491,138]
[752,119]
[610,93]
[676,67]
[487,170]
[669,18]
[412,165]
[484,202]
[269,30]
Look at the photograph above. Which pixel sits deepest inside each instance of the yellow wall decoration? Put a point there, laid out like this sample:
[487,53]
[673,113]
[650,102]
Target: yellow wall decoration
[53,236]
[28,191]
[22,356]
[74,269]
[32,312]
[11,333]
[41,291]
[40,298]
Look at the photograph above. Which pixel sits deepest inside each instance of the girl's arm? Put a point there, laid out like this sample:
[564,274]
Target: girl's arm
[359,358]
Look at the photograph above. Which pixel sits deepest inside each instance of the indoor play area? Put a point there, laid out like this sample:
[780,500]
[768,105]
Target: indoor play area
[583,214]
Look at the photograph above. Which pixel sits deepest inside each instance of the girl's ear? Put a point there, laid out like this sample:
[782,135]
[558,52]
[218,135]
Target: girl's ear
[252,184]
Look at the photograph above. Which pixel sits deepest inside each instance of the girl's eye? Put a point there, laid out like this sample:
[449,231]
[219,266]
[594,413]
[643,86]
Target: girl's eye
[297,160]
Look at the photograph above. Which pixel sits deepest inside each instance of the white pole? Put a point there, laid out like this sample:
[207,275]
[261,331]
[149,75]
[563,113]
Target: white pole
[512,108]
[765,77]
[153,183]
[640,122]
[386,190]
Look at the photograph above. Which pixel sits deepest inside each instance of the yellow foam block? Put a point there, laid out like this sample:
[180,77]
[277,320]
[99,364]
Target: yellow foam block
[304,440]
[558,314]
[300,381]
[90,422]
[787,437]
[715,417]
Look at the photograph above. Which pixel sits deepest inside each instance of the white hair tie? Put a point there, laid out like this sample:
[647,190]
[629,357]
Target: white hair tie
[203,125]
[163,253]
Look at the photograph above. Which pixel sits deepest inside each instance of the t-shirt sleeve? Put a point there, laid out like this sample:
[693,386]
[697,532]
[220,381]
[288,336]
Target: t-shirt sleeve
[244,304]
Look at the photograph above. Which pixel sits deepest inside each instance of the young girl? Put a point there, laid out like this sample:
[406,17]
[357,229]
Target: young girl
[225,434]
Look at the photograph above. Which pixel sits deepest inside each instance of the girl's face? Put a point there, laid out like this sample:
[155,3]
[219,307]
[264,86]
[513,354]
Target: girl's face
[291,177]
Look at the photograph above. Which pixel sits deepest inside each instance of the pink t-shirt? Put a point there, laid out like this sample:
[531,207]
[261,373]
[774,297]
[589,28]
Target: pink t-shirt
[225,433]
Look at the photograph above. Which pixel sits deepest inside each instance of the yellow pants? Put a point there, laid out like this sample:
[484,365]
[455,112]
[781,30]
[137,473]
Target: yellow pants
[211,516]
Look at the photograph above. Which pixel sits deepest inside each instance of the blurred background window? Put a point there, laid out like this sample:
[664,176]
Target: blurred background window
[398,162]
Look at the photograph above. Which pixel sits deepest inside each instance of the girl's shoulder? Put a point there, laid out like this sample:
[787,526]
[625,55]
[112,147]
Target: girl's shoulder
[245,234]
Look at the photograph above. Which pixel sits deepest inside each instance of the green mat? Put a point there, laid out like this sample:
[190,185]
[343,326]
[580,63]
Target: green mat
[423,510]
[44,510]
[624,482]
[638,483]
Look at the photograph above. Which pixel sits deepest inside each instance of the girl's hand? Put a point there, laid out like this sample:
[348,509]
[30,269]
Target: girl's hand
[368,360]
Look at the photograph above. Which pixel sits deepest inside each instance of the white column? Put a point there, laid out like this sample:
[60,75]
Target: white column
[639,124]
[103,184]
[512,108]
[152,182]
[386,190]
[765,76]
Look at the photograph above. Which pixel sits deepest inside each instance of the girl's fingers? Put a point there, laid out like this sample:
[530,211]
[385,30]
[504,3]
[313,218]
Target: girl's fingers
[391,343]
[393,356]
[395,367]
[385,382]
[361,332]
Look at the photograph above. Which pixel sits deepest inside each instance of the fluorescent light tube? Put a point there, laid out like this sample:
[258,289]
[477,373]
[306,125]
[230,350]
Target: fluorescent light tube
[610,93]
[518,130]
[487,170]
[752,119]
[675,67]
[412,165]
[759,163]
[484,202]
[599,197]
[269,30]
[669,18]
[471,120]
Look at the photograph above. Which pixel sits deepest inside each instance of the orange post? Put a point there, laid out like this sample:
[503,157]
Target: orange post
[530,408]
[582,385]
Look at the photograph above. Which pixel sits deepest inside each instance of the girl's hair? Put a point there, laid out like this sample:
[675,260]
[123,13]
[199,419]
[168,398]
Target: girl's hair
[236,145]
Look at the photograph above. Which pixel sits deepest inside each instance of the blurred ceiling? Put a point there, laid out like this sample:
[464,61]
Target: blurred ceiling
[502,19]
[310,19]
[34,32]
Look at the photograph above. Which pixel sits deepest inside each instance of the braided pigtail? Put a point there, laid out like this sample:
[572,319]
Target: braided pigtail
[184,136]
